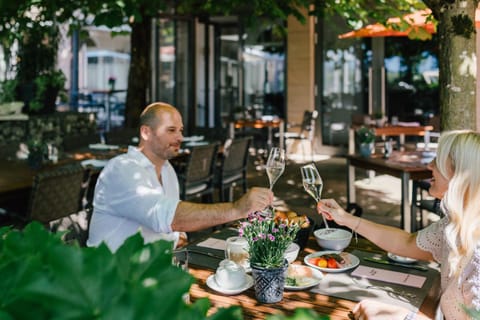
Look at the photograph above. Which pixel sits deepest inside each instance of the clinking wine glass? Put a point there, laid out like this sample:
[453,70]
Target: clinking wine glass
[313,184]
[275,167]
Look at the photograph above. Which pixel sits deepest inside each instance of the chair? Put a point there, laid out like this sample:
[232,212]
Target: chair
[197,175]
[421,202]
[56,193]
[232,168]
[307,131]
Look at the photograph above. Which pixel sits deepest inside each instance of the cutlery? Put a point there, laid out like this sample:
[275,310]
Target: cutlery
[421,268]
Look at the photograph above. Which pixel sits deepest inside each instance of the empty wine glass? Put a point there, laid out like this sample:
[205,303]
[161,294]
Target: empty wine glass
[275,165]
[313,184]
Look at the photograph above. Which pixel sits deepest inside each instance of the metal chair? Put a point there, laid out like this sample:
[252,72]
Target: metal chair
[307,131]
[197,175]
[232,168]
[421,202]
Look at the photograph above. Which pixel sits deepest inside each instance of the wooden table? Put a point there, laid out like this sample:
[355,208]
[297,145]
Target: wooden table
[260,124]
[404,165]
[336,308]
[392,131]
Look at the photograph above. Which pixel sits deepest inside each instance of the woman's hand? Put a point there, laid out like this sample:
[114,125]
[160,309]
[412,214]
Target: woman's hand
[371,309]
[332,210]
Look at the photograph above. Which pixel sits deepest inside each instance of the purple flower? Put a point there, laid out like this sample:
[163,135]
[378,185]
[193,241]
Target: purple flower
[271,237]
[274,230]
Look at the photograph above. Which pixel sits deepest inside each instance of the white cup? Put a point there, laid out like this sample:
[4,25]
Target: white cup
[237,251]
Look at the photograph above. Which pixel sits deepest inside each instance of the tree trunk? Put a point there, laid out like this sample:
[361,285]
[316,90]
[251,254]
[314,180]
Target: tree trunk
[139,73]
[457,60]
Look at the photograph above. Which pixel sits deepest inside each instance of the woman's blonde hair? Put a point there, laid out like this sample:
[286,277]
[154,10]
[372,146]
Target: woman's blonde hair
[458,159]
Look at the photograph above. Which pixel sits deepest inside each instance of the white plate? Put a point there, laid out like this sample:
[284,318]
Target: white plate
[400,259]
[305,276]
[351,261]
[101,146]
[212,284]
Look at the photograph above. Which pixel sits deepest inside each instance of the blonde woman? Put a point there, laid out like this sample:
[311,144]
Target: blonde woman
[454,241]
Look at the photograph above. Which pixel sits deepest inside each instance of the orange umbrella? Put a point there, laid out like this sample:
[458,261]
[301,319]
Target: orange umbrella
[419,28]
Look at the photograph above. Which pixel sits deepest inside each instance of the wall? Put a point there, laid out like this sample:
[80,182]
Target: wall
[300,68]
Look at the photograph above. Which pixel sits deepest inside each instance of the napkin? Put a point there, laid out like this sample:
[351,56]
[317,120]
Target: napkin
[389,276]
[213,243]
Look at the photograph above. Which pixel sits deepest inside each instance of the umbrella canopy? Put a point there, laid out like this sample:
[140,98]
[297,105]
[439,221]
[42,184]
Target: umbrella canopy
[420,27]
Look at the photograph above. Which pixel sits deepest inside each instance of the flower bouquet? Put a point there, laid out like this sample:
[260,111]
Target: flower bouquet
[268,239]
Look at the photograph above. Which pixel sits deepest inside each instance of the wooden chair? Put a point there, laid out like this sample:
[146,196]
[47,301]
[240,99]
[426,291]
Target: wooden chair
[197,176]
[307,131]
[232,168]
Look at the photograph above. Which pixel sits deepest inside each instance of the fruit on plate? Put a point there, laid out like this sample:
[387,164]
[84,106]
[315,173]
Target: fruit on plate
[292,217]
[331,261]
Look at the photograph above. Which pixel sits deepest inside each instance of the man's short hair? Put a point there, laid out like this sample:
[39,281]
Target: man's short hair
[148,117]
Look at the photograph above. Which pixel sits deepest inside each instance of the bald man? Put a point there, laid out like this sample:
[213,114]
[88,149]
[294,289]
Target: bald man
[138,190]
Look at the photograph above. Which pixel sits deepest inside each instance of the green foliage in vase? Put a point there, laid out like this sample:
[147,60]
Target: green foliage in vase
[365,135]
[267,239]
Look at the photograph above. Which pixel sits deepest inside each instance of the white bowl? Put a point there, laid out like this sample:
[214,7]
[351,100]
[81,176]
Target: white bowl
[333,238]
[292,251]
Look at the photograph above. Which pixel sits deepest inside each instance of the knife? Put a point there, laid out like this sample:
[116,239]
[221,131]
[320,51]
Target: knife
[416,267]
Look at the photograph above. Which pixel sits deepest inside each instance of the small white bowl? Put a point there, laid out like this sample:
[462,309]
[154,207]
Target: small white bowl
[333,238]
[292,251]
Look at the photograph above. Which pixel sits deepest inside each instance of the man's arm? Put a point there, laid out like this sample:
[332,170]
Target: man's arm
[191,216]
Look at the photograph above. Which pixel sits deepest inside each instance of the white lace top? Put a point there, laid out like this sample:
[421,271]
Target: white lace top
[455,293]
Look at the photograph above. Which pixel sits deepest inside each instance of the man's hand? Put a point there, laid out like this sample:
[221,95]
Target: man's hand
[256,199]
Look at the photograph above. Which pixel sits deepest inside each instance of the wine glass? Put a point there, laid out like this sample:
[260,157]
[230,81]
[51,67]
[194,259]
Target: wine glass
[275,165]
[313,184]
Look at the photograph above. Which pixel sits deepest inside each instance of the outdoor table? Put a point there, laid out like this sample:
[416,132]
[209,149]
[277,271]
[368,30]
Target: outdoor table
[203,262]
[260,124]
[401,164]
[392,131]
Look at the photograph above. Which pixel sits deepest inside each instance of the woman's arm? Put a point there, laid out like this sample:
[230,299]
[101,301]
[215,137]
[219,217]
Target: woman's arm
[388,238]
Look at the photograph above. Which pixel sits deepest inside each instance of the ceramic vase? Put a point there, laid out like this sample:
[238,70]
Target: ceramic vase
[269,283]
[366,149]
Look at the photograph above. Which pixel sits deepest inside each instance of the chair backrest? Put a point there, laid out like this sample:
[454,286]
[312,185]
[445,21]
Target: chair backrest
[199,169]
[56,192]
[201,163]
[236,155]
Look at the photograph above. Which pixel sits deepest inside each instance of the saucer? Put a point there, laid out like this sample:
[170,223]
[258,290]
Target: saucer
[212,284]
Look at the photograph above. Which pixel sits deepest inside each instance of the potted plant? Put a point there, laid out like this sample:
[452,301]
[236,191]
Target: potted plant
[379,119]
[37,153]
[9,103]
[47,87]
[366,139]
[268,239]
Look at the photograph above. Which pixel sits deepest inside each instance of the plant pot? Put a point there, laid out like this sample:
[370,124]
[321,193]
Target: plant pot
[366,149]
[269,283]
[35,160]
